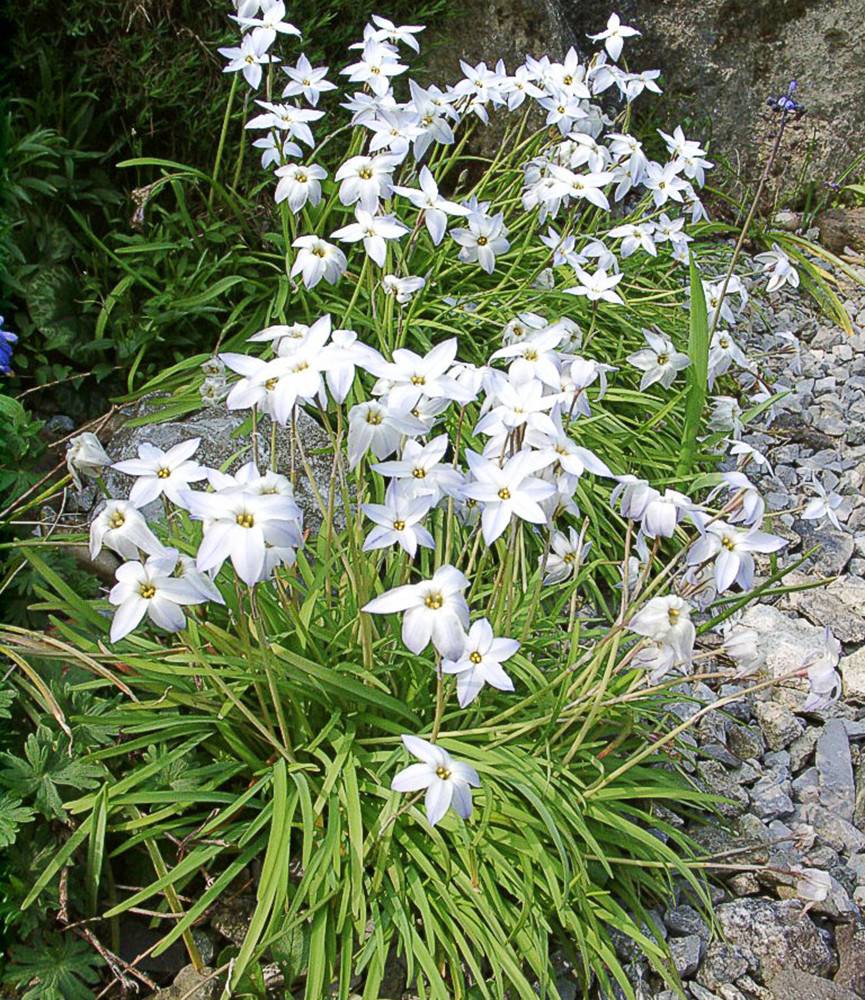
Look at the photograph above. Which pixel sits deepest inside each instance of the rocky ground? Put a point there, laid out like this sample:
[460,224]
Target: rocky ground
[794,782]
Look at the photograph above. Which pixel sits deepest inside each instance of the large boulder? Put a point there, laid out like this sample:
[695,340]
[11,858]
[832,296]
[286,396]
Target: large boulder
[489,30]
[225,445]
[721,59]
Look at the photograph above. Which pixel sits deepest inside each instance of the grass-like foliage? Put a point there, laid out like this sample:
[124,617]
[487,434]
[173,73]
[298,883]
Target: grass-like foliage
[427,729]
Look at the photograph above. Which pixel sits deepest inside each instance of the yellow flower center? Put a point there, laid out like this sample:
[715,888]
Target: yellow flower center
[301,366]
[475,657]
[482,241]
[301,178]
[418,473]
[245,520]
[399,525]
[442,772]
[147,591]
[663,359]
[364,173]
[434,601]
[569,557]
[504,493]
[318,251]
[418,380]
[163,473]
[117,520]
[373,417]
[673,615]
[271,384]
[728,543]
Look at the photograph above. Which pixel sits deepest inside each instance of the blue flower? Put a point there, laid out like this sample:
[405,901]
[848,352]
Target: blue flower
[786,104]
[7,339]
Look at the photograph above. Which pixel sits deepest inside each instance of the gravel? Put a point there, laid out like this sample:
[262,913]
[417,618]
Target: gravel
[794,782]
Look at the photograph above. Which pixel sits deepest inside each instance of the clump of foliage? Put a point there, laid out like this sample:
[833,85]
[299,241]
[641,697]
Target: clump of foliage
[424,728]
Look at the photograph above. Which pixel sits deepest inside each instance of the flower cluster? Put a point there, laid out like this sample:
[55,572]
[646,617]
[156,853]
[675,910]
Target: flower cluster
[496,448]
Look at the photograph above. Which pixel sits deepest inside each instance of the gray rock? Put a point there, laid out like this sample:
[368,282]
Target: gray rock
[835,769]
[838,606]
[777,723]
[779,934]
[744,884]
[488,30]
[850,942]
[685,920]
[686,953]
[701,993]
[718,752]
[835,547]
[784,644]
[852,670]
[836,831]
[725,963]
[770,797]
[719,780]
[745,741]
[790,983]
[802,749]
[713,59]
[190,984]
[806,788]
[222,448]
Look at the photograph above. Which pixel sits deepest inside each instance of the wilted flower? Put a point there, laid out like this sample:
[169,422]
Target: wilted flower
[86,456]
[402,289]
[741,645]
[824,681]
[812,884]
